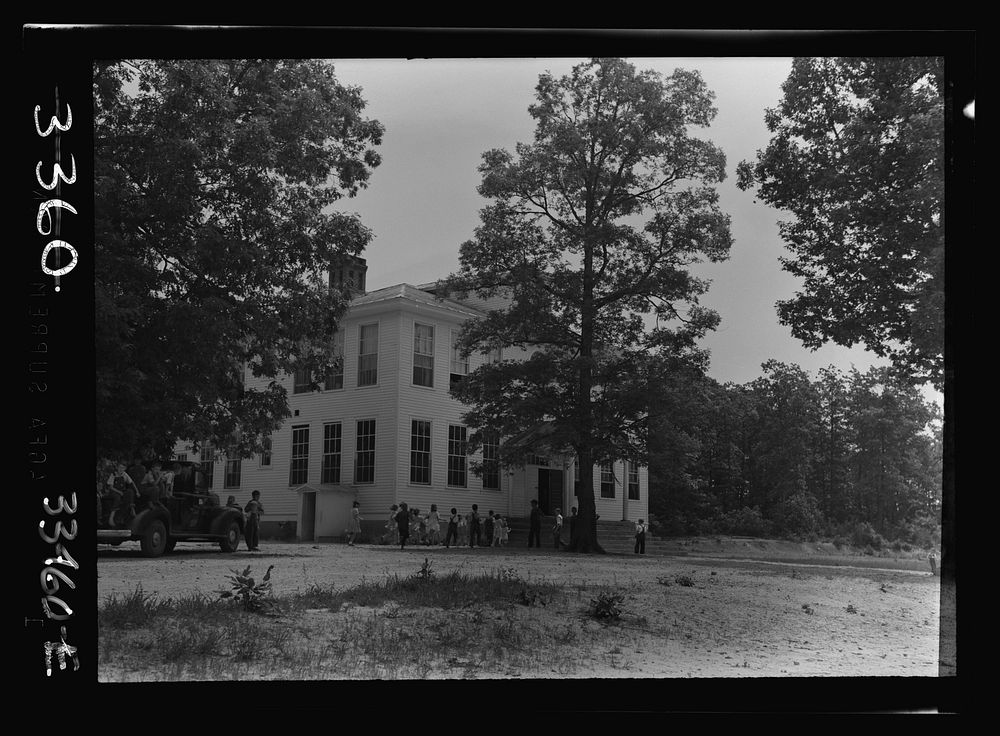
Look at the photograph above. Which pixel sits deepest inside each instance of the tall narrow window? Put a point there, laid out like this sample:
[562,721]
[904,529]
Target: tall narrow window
[231,479]
[330,472]
[633,482]
[420,452]
[207,460]
[576,477]
[491,462]
[459,364]
[457,460]
[423,355]
[303,381]
[364,456]
[299,470]
[368,355]
[607,481]
[335,376]
[265,455]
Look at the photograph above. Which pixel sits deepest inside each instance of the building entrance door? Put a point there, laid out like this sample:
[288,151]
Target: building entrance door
[308,531]
[550,487]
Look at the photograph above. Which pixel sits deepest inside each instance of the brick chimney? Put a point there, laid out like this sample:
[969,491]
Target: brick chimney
[348,273]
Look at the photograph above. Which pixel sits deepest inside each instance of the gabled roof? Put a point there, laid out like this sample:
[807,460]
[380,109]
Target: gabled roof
[416,295]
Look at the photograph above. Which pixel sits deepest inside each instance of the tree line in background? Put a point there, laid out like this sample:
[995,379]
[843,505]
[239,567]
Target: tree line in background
[854,457]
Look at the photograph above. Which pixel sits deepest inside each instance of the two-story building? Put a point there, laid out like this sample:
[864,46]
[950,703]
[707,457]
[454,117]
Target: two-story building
[385,430]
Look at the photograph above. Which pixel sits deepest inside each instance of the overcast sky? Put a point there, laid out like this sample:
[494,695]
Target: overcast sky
[440,115]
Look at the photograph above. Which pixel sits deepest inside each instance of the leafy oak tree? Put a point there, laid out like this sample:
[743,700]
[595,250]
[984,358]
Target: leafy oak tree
[857,158]
[213,183]
[589,235]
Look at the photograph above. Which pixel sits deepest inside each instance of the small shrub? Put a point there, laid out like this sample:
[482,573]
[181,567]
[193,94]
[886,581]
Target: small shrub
[251,595]
[851,608]
[746,521]
[663,580]
[808,609]
[607,606]
[798,516]
[684,580]
[425,572]
[864,535]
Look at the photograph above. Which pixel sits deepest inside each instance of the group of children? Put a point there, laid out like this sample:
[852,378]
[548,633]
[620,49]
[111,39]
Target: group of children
[406,525]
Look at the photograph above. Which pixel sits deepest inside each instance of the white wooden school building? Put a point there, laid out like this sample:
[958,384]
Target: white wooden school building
[386,430]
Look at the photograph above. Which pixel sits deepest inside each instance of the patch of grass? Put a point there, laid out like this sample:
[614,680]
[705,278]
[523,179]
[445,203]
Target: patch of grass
[129,609]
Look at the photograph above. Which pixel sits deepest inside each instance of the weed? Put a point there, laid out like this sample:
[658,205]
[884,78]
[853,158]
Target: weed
[177,642]
[663,580]
[425,572]
[808,609]
[851,608]
[251,595]
[607,606]
[684,580]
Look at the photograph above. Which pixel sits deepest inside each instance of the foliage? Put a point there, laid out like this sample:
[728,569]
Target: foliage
[795,456]
[214,187]
[589,235]
[131,609]
[247,592]
[798,516]
[607,606]
[745,521]
[857,157]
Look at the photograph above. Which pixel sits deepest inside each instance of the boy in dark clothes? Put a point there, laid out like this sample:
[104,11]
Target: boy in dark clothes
[535,525]
[488,529]
[254,511]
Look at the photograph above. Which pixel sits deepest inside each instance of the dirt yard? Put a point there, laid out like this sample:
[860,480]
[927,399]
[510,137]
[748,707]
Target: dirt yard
[711,607]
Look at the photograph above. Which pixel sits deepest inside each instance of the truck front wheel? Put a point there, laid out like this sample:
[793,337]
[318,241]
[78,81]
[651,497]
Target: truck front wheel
[154,539]
[232,540]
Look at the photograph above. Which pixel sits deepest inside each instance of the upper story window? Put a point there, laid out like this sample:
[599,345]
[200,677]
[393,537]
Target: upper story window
[302,382]
[207,460]
[368,355]
[423,355]
[459,364]
[335,376]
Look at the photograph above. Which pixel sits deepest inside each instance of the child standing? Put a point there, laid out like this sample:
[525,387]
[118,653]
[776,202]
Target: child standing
[640,538]
[474,529]
[354,525]
[557,529]
[403,524]
[434,525]
[463,530]
[452,534]
[498,527]
[254,511]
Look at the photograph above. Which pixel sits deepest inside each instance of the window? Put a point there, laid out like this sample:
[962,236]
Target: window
[181,457]
[607,481]
[538,460]
[335,376]
[232,475]
[423,355]
[576,477]
[299,472]
[459,364]
[207,460]
[265,455]
[457,461]
[364,456]
[303,381]
[491,462]
[633,482]
[368,355]
[420,452]
[330,471]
